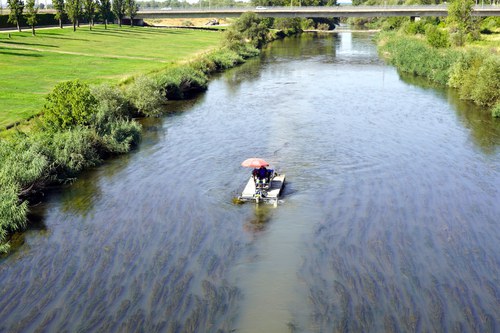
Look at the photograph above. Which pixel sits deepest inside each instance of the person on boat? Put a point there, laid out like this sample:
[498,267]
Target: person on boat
[261,175]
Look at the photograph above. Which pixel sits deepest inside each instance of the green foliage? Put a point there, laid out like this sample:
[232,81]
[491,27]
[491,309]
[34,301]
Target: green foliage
[121,136]
[413,55]
[495,111]
[180,82]
[476,75]
[73,10]
[414,27]
[225,58]
[31,14]
[119,7]
[131,9]
[393,23]
[463,26]
[89,13]
[105,11]
[16,8]
[12,212]
[145,96]
[59,8]
[289,26]
[489,24]
[250,27]
[70,104]
[436,37]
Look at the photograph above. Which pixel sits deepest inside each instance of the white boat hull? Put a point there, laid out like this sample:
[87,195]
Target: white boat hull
[270,194]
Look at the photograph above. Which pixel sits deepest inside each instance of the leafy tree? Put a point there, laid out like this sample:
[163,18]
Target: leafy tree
[118,8]
[69,105]
[30,15]
[90,11]
[105,11]
[461,22]
[73,9]
[16,11]
[249,27]
[131,9]
[59,7]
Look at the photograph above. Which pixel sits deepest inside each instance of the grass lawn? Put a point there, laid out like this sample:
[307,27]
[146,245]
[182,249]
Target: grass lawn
[31,66]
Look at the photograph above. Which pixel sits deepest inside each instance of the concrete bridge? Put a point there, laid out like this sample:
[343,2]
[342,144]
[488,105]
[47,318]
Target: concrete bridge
[334,11]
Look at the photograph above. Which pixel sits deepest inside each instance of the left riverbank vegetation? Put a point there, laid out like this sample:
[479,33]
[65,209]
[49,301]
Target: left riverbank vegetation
[460,51]
[82,124]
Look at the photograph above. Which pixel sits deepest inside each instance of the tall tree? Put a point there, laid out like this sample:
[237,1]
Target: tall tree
[131,9]
[73,11]
[59,7]
[119,10]
[89,11]
[105,10]
[16,8]
[461,21]
[30,15]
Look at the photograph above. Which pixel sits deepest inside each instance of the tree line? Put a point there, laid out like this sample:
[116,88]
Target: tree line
[75,11]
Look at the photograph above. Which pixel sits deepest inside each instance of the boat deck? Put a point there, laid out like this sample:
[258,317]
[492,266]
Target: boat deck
[273,192]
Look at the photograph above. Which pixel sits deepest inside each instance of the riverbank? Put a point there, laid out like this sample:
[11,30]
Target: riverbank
[33,65]
[81,125]
[473,70]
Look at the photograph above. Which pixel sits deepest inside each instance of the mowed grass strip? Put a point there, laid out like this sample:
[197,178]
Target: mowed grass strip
[32,66]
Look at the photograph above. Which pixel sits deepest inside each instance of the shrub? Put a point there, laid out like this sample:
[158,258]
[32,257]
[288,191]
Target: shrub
[225,58]
[73,150]
[23,162]
[12,212]
[436,37]
[180,82]
[486,90]
[144,94]
[70,104]
[323,26]
[121,136]
[495,111]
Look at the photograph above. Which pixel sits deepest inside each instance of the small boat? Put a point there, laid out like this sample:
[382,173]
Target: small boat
[262,189]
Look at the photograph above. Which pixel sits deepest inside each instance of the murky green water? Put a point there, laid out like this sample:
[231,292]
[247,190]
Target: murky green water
[390,220]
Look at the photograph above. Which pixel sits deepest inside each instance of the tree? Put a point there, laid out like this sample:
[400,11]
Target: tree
[131,9]
[30,15]
[89,12]
[69,105]
[105,10]
[16,11]
[461,21]
[59,7]
[118,7]
[73,11]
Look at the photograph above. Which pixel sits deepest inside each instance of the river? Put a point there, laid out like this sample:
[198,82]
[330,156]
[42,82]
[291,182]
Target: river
[389,222]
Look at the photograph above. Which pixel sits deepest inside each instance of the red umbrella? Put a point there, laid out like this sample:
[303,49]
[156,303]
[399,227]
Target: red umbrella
[254,162]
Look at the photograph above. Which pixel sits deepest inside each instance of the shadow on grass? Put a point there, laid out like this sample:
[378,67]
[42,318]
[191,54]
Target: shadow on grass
[15,52]
[29,44]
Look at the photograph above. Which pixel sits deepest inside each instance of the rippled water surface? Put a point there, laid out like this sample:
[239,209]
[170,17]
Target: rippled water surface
[390,220]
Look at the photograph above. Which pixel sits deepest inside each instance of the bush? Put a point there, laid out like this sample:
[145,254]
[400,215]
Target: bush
[436,37]
[12,212]
[73,150]
[476,75]
[145,96]
[225,58]
[495,111]
[112,105]
[413,55]
[121,136]
[70,104]
[180,82]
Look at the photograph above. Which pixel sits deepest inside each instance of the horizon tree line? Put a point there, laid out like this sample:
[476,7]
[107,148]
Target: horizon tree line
[75,11]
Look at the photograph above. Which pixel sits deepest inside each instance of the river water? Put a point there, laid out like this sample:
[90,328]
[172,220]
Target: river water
[390,220]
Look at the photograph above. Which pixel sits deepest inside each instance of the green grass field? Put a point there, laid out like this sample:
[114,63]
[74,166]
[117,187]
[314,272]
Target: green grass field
[31,66]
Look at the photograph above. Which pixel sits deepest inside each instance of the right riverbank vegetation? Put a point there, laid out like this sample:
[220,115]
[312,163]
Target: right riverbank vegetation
[82,124]
[460,51]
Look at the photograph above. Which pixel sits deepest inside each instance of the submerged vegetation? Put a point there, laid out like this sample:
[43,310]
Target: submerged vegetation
[80,124]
